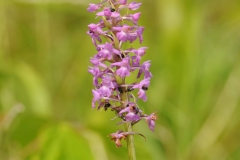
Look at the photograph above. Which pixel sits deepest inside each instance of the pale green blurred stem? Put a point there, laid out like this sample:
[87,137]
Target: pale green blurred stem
[130,142]
[128,128]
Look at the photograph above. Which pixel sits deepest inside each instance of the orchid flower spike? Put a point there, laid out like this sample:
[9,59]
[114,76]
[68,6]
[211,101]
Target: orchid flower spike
[113,64]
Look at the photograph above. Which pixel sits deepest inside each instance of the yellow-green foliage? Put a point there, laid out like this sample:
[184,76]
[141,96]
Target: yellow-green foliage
[45,89]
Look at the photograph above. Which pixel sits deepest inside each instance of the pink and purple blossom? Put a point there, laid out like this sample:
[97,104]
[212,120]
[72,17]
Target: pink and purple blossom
[112,64]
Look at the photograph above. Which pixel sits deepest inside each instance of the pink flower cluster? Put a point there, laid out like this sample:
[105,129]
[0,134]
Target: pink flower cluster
[113,63]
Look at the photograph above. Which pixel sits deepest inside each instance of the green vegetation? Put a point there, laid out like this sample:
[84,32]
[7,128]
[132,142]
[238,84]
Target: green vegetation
[45,89]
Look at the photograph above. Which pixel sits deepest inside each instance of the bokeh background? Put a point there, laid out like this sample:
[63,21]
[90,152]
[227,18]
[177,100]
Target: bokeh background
[45,89]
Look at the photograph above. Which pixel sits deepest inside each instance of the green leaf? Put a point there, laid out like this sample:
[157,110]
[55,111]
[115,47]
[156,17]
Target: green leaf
[35,89]
[61,142]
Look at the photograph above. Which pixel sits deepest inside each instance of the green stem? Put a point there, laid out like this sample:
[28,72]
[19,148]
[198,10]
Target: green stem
[130,142]
[128,128]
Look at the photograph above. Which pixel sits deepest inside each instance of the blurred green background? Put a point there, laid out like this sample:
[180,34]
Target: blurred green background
[45,89]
